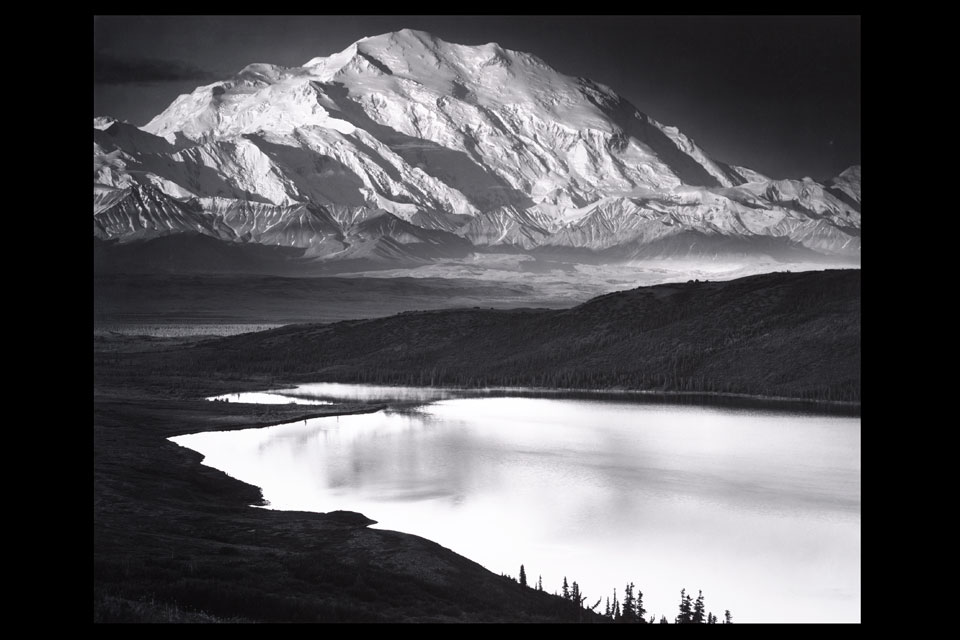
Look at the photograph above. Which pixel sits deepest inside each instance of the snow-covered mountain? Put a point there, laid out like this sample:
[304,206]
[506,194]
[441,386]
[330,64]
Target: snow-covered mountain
[406,147]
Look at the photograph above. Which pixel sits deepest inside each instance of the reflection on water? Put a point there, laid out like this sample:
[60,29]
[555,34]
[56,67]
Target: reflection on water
[267,397]
[377,393]
[759,510]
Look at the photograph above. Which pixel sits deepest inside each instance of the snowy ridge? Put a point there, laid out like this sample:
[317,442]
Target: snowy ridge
[447,147]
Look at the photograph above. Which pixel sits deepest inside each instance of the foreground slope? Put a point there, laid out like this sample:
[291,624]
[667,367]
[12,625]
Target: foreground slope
[175,541]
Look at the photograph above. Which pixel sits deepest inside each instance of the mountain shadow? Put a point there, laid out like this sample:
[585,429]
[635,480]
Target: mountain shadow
[637,125]
[456,169]
[321,178]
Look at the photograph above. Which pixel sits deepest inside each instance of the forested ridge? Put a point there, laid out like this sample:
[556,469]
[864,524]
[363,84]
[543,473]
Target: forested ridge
[787,334]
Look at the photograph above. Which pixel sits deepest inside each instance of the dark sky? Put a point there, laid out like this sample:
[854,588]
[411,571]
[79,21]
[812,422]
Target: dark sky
[778,94]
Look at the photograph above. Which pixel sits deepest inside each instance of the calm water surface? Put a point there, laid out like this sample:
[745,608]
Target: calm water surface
[760,510]
[268,397]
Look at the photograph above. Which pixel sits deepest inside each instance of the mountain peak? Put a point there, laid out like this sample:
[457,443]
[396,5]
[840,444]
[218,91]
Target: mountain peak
[328,61]
[401,37]
[437,133]
[261,72]
[402,41]
[851,173]
[104,122]
[848,182]
[421,55]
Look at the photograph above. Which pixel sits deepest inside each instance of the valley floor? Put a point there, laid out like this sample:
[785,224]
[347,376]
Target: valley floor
[218,304]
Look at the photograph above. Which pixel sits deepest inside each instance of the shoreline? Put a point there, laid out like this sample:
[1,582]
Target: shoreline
[178,541]
[640,396]
[350,510]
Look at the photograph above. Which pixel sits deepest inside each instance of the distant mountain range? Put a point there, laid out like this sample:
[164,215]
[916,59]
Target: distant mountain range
[403,148]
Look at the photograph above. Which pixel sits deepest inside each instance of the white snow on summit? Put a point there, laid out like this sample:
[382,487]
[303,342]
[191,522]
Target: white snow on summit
[475,142]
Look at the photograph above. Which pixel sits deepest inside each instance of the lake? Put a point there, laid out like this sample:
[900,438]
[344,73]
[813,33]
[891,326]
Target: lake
[759,509]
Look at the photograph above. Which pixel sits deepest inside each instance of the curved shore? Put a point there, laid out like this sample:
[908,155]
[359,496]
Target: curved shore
[704,398]
[155,499]
[176,541]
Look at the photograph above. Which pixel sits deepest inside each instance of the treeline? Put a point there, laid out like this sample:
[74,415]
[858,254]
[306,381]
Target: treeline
[631,609]
[788,335]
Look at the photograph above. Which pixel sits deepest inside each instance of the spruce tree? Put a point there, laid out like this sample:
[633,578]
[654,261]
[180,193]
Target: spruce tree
[566,589]
[606,610]
[523,577]
[641,612]
[685,608]
[727,618]
[663,620]
[629,613]
[698,610]
[540,583]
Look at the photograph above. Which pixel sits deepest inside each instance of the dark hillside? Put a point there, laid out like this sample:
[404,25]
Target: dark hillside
[783,334]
